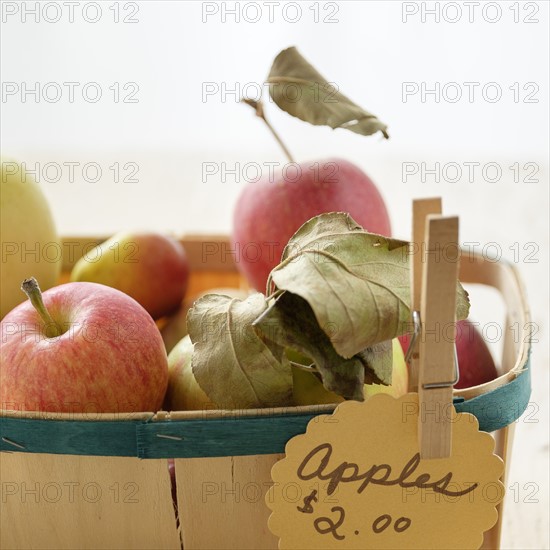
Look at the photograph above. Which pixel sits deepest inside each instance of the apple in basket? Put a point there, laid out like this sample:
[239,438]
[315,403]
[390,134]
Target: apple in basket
[81,347]
[150,267]
[272,208]
[475,362]
[269,211]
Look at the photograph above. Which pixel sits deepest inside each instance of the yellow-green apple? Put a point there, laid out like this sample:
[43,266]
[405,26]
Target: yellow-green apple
[150,267]
[30,246]
[268,212]
[81,347]
[184,392]
[309,390]
[176,327]
[475,362]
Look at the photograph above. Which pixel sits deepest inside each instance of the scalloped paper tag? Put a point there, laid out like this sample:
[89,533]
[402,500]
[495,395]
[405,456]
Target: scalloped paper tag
[355,480]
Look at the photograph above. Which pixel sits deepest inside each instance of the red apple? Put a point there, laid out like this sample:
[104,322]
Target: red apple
[81,347]
[475,362]
[150,267]
[270,211]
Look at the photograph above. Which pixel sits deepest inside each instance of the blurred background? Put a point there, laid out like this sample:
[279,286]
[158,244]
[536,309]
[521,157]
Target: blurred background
[129,112]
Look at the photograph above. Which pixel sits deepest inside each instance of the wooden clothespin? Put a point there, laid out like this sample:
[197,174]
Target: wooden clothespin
[421,209]
[438,371]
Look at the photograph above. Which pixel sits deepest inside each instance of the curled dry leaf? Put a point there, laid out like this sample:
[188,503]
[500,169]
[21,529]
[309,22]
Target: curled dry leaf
[290,322]
[357,283]
[378,361]
[231,363]
[297,88]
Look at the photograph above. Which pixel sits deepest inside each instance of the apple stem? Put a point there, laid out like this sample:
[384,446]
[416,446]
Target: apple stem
[259,107]
[32,290]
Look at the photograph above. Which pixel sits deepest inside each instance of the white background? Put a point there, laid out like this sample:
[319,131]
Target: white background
[175,50]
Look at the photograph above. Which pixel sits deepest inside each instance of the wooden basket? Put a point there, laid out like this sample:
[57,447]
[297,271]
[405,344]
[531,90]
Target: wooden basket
[223,459]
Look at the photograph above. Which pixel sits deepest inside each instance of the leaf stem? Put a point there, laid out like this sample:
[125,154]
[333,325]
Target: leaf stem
[259,107]
[274,294]
[32,290]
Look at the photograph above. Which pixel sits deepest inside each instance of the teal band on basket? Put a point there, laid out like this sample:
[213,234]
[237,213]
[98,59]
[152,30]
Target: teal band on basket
[218,436]
[500,407]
